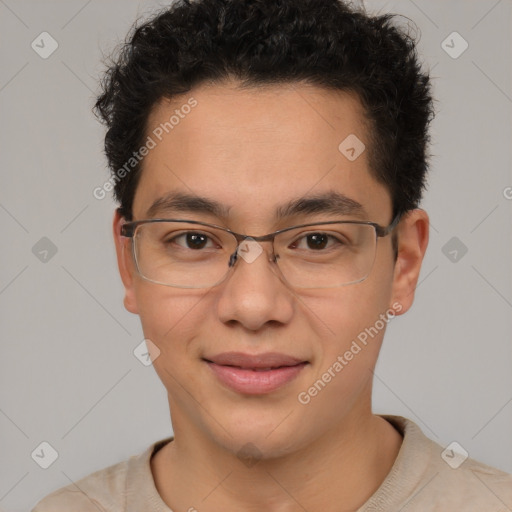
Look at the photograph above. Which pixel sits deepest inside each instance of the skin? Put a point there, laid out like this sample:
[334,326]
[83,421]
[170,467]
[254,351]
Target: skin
[252,150]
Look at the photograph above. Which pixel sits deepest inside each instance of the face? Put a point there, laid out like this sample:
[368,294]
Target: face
[253,151]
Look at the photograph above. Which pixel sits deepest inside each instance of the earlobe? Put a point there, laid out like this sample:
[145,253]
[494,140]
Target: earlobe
[412,243]
[125,264]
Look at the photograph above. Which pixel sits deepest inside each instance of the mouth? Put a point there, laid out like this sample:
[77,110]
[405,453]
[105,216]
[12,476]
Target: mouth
[255,374]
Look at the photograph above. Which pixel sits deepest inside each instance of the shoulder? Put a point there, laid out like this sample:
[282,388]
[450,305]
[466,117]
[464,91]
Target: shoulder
[101,490]
[463,480]
[434,478]
[104,490]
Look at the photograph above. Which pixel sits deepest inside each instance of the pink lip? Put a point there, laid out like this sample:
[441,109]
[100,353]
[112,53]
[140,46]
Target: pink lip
[255,374]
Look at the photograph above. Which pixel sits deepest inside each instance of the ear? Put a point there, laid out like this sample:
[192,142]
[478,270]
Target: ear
[125,263]
[412,243]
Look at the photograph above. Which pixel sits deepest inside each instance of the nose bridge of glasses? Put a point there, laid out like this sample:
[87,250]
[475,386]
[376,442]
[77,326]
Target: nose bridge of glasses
[249,248]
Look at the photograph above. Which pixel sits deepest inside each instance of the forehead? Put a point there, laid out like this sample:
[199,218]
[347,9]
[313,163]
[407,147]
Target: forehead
[253,149]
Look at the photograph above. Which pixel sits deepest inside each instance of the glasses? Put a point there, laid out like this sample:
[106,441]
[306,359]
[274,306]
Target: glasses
[192,254]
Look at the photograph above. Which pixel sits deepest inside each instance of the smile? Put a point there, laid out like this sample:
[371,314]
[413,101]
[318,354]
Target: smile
[255,375]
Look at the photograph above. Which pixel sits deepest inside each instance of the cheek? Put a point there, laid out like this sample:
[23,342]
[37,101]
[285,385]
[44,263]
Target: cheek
[346,357]
[169,316]
[341,314]
[171,319]
[350,323]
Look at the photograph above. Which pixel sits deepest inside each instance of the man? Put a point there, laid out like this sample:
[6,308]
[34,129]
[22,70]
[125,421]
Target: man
[269,159]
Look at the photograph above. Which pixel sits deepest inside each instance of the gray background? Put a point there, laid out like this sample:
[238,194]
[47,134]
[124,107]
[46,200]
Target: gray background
[68,375]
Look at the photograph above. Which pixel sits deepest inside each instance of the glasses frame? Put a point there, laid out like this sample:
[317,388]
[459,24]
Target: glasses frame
[128,230]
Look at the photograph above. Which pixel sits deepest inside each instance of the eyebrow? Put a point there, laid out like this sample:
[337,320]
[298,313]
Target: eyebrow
[330,202]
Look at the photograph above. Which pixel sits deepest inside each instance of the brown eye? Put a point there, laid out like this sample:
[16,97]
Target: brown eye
[192,240]
[316,242]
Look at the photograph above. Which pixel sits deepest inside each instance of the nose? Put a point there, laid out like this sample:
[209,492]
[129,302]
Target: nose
[254,294]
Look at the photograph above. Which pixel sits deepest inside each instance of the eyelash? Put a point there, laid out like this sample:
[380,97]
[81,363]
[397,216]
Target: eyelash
[295,242]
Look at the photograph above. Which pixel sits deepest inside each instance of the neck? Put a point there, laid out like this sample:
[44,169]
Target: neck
[338,471]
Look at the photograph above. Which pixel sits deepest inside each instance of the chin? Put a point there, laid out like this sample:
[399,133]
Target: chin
[250,449]
[255,438]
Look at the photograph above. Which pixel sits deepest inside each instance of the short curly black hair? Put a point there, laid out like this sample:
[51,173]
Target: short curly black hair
[325,43]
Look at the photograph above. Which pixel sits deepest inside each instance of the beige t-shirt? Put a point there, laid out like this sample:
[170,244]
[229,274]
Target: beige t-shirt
[419,481]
